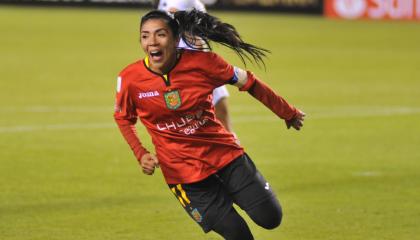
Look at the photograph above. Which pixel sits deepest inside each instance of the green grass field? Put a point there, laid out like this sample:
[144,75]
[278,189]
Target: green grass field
[352,173]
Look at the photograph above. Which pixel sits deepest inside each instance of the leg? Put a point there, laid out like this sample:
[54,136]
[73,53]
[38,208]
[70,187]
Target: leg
[233,227]
[250,191]
[206,201]
[267,214]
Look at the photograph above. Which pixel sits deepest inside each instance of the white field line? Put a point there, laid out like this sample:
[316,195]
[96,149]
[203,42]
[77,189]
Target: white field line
[367,174]
[52,127]
[345,112]
[248,115]
[49,109]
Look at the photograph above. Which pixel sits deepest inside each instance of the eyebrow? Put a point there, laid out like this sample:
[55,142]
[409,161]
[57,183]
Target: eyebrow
[158,30]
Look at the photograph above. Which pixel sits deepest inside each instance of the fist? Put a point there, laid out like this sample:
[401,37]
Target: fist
[148,163]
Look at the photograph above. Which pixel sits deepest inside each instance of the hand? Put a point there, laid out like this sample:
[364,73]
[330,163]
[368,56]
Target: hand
[297,121]
[148,163]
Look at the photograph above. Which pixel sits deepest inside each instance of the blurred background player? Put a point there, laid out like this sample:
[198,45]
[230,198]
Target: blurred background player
[220,94]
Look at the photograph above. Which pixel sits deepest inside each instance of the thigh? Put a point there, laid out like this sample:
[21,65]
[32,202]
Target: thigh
[245,184]
[206,202]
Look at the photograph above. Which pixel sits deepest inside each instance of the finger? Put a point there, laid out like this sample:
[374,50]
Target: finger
[148,171]
[301,116]
[288,125]
[144,163]
[145,171]
[149,161]
[297,124]
[149,166]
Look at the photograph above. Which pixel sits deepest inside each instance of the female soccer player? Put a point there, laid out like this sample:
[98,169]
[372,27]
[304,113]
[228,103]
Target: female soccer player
[170,92]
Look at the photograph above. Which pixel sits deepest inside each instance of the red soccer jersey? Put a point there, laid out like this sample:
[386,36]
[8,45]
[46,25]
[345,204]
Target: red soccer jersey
[177,111]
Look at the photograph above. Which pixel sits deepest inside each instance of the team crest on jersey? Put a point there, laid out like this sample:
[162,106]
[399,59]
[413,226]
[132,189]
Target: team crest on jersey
[196,215]
[173,99]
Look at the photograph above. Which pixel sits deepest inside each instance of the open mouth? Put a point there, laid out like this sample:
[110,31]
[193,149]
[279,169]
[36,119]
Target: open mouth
[156,55]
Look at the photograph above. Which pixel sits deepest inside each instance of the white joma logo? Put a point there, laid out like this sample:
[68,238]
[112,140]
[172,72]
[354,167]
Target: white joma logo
[148,94]
[267,186]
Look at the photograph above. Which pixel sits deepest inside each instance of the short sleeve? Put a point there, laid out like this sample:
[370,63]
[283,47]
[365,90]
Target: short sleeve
[220,71]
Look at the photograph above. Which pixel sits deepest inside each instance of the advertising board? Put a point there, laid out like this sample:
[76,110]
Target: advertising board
[295,6]
[373,9]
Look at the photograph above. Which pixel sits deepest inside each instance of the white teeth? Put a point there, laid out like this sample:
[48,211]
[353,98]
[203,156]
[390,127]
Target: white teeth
[155,53]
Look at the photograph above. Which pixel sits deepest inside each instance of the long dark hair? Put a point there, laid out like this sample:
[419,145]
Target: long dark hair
[189,25]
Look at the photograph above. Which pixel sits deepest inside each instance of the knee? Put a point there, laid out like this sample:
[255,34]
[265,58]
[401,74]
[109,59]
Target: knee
[274,220]
[267,215]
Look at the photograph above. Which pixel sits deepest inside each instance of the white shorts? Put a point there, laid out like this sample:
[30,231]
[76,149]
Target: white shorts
[219,93]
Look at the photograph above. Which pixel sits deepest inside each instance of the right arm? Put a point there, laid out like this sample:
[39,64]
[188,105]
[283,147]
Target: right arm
[126,117]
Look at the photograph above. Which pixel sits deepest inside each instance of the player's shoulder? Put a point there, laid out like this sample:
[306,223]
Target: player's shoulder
[198,59]
[206,62]
[134,68]
[203,56]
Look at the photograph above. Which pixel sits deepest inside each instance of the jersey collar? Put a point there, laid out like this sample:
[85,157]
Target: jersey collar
[164,76]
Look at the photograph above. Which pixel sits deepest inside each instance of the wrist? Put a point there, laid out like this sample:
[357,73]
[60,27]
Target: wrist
[140,153]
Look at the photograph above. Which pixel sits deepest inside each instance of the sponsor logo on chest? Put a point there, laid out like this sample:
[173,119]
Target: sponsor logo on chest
[148,94]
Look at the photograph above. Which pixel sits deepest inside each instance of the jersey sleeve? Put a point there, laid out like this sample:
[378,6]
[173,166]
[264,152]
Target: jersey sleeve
[125,111]
[220,71]
[263,93]
[126,117]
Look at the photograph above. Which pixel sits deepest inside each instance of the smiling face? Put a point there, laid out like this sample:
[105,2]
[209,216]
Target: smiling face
[159,44]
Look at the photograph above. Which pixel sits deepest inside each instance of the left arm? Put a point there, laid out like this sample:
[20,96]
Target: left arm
[246,81]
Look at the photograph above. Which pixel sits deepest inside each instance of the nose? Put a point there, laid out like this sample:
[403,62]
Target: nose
[152,41]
